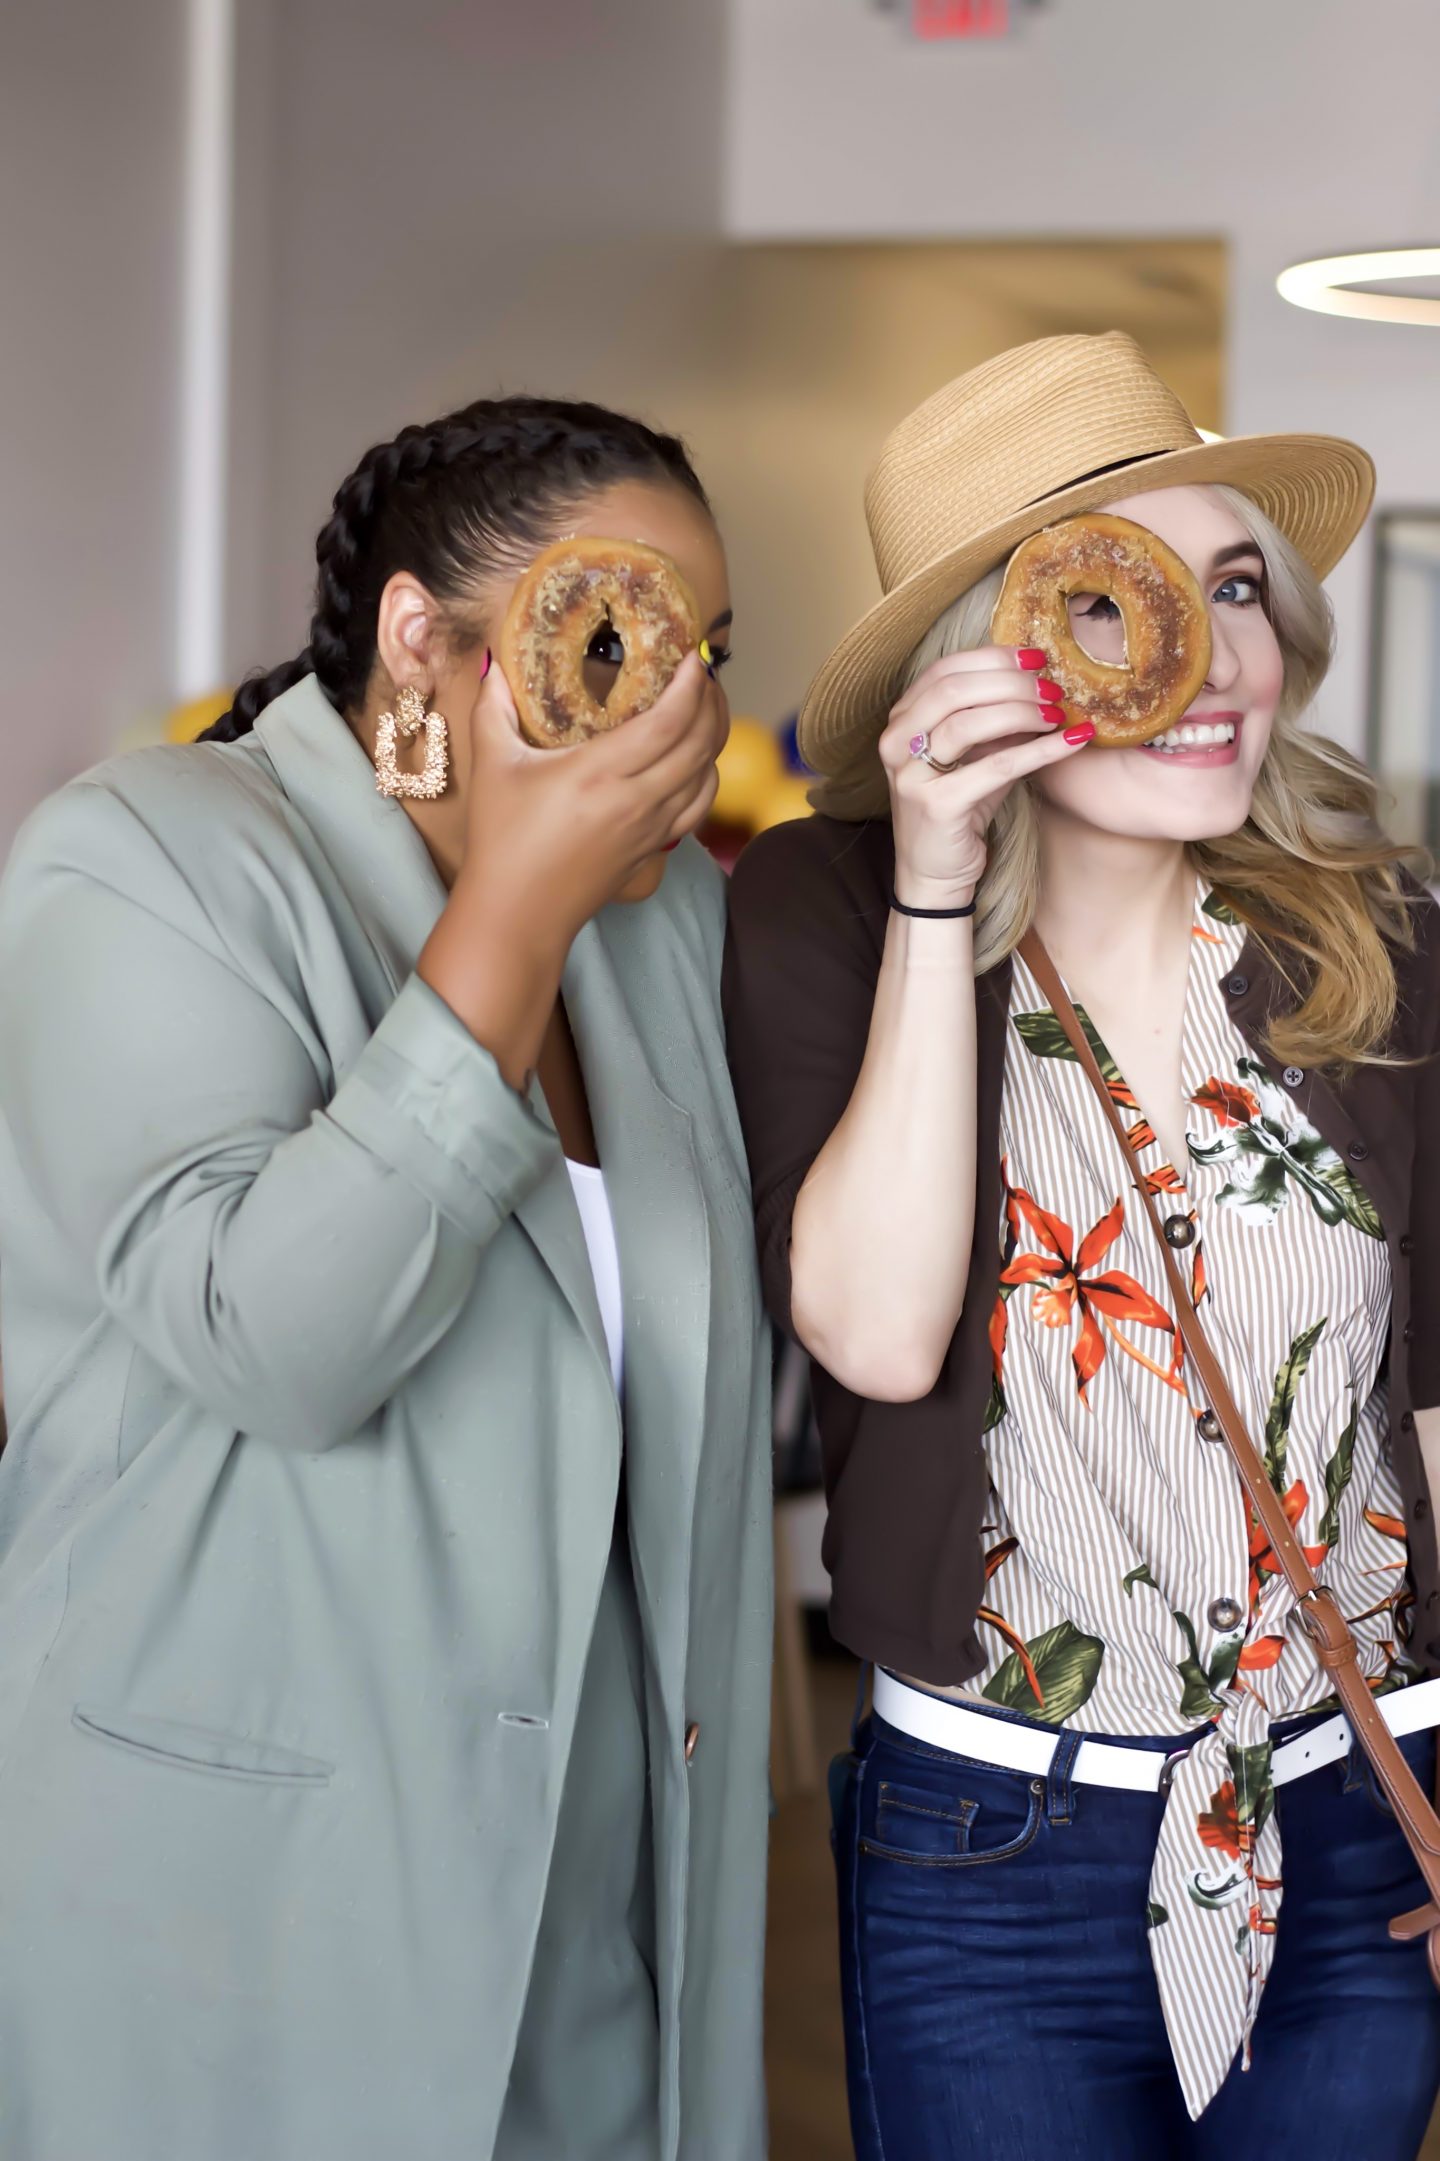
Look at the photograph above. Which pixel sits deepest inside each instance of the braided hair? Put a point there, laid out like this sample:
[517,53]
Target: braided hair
[452,502]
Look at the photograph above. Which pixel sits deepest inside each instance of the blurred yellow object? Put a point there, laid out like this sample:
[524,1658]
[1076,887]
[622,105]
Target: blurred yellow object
[185,722]
[750,767]
[787,799]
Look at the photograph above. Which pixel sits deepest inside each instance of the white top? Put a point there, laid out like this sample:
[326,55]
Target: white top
[599,1226]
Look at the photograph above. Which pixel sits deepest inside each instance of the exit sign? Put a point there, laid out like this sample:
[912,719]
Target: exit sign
[960,18]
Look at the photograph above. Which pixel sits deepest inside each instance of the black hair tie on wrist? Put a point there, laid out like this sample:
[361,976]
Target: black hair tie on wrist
[932,915]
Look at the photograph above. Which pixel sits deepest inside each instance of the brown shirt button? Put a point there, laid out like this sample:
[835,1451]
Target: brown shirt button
[1207,1425]
[1225,1614]
[692,1735]
[1179,1231]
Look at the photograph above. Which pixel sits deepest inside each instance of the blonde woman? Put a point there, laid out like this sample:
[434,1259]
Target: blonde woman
[1173,1942]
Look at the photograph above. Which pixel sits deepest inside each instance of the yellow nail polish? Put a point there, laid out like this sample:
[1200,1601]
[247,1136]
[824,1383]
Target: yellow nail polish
[705,653]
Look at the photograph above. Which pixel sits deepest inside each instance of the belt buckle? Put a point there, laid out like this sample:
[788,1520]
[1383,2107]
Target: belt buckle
[1167,1768]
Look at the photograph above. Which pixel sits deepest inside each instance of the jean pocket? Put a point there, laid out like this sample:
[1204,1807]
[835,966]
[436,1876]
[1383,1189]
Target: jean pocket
[980,1817]
[1418,1749]
[200,1748]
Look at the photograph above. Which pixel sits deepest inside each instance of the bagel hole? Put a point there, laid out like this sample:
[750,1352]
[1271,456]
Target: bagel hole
[604,658]
[1098,628]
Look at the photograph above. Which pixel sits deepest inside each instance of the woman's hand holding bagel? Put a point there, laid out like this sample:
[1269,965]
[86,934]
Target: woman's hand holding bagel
[988,714]
[552,836]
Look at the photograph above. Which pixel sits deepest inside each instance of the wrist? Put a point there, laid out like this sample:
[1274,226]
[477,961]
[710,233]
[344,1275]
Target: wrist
[528,927]
[934,895]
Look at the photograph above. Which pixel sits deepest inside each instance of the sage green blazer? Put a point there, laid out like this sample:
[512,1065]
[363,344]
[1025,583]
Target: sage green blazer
[312,1470]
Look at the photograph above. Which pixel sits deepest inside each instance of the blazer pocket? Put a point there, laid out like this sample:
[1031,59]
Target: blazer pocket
[198,1748]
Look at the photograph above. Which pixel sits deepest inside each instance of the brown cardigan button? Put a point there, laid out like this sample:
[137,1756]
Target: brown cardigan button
[1407,1421]
[1407,1243]
[692,1735]
[1238,985]
[1357,1151]
[1409,1331]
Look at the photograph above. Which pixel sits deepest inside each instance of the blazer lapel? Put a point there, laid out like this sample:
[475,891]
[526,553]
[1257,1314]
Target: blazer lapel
[662,1229]
[397,894]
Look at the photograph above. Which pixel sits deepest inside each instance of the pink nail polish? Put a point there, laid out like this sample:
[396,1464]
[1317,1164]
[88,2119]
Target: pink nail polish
[1031,657]
[1081,732]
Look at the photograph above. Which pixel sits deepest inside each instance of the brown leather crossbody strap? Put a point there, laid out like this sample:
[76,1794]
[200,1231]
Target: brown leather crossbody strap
[1320,1616]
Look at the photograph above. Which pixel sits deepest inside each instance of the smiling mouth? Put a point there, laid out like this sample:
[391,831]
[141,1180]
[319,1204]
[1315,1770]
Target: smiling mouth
[1215,741]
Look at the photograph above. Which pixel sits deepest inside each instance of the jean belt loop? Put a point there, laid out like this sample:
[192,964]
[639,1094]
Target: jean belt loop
[861,1685]
[1059,1786]
[1356,1768]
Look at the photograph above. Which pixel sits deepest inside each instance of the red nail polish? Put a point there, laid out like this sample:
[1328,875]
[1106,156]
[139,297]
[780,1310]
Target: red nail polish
[1081,733]
[1031,657]
[485,665]
[1050,693]
[1055,714]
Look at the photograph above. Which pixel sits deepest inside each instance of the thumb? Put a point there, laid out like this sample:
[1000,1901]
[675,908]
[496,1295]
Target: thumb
[494,722]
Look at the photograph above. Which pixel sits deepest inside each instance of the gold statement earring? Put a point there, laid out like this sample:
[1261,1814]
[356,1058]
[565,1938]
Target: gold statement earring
[408,720]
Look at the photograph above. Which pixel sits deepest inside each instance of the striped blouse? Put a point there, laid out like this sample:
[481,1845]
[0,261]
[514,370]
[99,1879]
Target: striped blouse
[1128,1590]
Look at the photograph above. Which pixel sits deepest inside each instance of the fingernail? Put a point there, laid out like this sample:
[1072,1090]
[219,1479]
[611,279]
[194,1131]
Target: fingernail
[485,665]
[707,658]
[1030,656]
[1081,732]
[1055,714]
[670,847]
[1050,693]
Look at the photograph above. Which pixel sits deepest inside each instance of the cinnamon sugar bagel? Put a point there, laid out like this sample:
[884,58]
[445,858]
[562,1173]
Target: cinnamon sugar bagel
[1167,624]
[571,590]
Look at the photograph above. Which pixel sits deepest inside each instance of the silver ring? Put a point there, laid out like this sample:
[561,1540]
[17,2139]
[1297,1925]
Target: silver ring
[920,748]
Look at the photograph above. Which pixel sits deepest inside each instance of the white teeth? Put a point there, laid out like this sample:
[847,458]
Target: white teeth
[1195,735]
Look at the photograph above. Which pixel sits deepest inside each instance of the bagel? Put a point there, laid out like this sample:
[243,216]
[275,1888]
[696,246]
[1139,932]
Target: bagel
[570,591]
[1167,624]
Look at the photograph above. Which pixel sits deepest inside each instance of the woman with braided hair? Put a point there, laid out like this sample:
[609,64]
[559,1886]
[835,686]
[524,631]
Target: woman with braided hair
[384,1527]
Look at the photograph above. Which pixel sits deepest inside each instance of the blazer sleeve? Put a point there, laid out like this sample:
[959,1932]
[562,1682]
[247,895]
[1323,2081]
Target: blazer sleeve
[1425,1197]
[802,957]
[286,1249]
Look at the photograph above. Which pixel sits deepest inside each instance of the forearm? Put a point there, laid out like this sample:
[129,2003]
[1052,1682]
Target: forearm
[498,968]
[884,1224]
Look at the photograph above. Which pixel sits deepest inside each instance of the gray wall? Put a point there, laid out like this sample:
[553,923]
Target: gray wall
[89,168]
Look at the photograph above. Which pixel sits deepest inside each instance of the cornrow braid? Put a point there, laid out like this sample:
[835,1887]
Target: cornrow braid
[453,502]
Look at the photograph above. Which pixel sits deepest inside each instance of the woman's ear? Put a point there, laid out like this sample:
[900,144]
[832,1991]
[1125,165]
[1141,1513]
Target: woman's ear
[409,636]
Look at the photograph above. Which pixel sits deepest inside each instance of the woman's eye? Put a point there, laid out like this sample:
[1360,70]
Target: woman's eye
[606,647]
[720,657]
[1240,592]
[1101,609]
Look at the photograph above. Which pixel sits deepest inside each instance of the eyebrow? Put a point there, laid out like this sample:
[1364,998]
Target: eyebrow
[722,622]
[1239,551]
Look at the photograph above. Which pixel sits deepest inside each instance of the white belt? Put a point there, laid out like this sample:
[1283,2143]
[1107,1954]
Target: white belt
[987,1739]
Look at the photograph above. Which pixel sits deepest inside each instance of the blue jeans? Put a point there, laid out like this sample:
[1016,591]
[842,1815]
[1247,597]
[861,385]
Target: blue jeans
[999,1999]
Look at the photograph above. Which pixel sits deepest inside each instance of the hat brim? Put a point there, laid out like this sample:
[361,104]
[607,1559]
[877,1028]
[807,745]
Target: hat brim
[1316,488]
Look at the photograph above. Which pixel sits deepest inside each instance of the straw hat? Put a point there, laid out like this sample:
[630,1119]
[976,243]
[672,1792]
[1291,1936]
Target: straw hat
[1029,437]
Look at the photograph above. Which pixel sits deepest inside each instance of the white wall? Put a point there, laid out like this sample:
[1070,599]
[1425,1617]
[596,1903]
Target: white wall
[465,198]
[89,170]
[1291,127]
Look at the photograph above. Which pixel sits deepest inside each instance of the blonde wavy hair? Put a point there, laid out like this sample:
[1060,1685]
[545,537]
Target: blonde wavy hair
[1311,872]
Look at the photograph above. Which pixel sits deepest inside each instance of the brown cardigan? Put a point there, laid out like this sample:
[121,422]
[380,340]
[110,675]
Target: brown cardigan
[907,1482]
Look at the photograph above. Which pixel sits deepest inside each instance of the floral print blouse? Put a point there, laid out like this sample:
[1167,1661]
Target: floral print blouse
[1129,1590]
